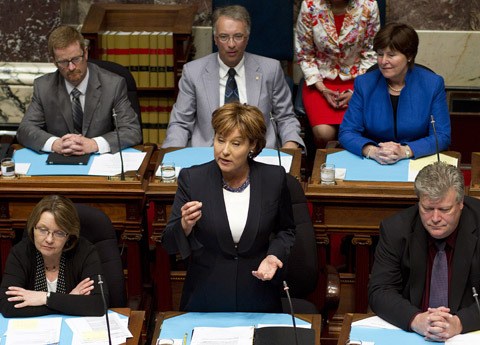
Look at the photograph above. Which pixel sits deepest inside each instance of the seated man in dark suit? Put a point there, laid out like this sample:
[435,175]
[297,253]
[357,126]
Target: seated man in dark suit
[227,76]
[428,259]
[71,108]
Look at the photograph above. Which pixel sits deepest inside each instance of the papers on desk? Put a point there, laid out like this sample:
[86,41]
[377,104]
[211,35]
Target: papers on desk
[34,331]
[375,330]
[362,169]
[222,335]
[190,156]
[100,165]
[93,330]
[110,164]
[176,327]
[81,330]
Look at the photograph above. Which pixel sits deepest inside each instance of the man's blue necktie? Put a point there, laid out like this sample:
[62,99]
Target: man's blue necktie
[77,111]
[439,279]
[231,89]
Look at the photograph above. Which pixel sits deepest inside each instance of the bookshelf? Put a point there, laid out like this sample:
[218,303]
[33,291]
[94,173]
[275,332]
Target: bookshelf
[129,19]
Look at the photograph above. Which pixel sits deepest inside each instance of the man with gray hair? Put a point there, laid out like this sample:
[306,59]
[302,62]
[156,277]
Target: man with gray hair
[231,75]
[428,259]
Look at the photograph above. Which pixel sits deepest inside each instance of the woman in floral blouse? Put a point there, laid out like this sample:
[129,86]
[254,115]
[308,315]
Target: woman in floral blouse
[334,44]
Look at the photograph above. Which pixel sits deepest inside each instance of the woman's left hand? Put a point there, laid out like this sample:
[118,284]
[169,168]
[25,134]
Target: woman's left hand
[83,288]
[26,297]
[268,268]
[389,153]
[343,99]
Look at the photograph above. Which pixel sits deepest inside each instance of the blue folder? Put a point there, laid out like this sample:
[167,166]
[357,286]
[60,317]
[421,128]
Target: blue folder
[39,166]
[388,336]
[362,169]
[190,156]
[65,332]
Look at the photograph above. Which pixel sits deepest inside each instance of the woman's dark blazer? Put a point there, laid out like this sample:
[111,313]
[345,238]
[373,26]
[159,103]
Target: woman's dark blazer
[81,262]
[219,274]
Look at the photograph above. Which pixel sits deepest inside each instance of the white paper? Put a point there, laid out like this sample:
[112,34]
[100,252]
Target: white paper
[374,322]
[22,168]
[273,160]
[222,335]
[158,173]
[93,330]
[110,164]
[34,331]
[472,338]
[415,165]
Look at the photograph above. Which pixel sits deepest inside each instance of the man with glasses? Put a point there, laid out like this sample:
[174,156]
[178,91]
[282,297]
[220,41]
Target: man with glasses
[227,76]
[71,108]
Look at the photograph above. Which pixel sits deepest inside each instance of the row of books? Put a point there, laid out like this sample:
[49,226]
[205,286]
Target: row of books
[155,117]
[148,55]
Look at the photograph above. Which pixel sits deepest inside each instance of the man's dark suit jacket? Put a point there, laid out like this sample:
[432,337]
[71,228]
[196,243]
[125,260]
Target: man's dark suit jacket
[50,113]
[399,271]
[219,276]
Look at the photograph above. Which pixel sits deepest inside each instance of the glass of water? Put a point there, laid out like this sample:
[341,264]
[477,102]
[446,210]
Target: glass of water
[327,173]
[167,172]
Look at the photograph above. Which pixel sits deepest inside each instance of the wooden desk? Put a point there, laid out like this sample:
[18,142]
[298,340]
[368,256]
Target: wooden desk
[122,201]
[162,195]
[314,319]
[347,326]
[474,189]
[135,323]
[355,208]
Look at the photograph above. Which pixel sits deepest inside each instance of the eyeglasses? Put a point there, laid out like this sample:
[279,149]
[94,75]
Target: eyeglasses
[59,234]
[226,38]
[65,63]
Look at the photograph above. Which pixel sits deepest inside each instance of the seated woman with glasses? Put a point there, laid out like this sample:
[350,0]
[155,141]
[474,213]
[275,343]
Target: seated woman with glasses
[52,270]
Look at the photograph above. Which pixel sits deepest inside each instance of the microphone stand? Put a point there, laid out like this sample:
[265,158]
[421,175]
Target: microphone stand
[122,172]
[277,138]
[286,288]
[475,296]
[436,137]
[100,283]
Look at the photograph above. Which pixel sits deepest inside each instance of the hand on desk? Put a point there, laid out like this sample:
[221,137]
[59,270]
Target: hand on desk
[191,213]
[437,324]
[387,153]
[268,268]
[74,145]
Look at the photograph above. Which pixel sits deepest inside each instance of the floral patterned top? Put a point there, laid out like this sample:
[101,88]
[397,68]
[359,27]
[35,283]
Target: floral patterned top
[322,53]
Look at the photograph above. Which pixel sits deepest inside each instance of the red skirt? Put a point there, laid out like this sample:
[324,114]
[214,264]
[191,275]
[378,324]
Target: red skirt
[318,110]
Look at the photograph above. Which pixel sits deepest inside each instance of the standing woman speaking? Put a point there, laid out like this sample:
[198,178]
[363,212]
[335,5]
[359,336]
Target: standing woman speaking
[333,44]
[232,218]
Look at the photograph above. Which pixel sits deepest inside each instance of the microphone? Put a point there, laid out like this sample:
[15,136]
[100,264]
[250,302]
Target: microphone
[286,288]
[122,173]
[436,137]
[277,137]
[100,283]
[282,335]
[475,296]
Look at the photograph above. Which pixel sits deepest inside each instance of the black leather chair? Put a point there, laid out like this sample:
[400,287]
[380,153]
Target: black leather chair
[302,269]
[131,85]
[98,229]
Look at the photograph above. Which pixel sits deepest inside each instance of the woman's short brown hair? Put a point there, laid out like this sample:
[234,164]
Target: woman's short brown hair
[398,37]
[62,37]
[64,213]
[246,118]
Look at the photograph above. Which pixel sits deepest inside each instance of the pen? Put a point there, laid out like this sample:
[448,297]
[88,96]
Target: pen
[184,342]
